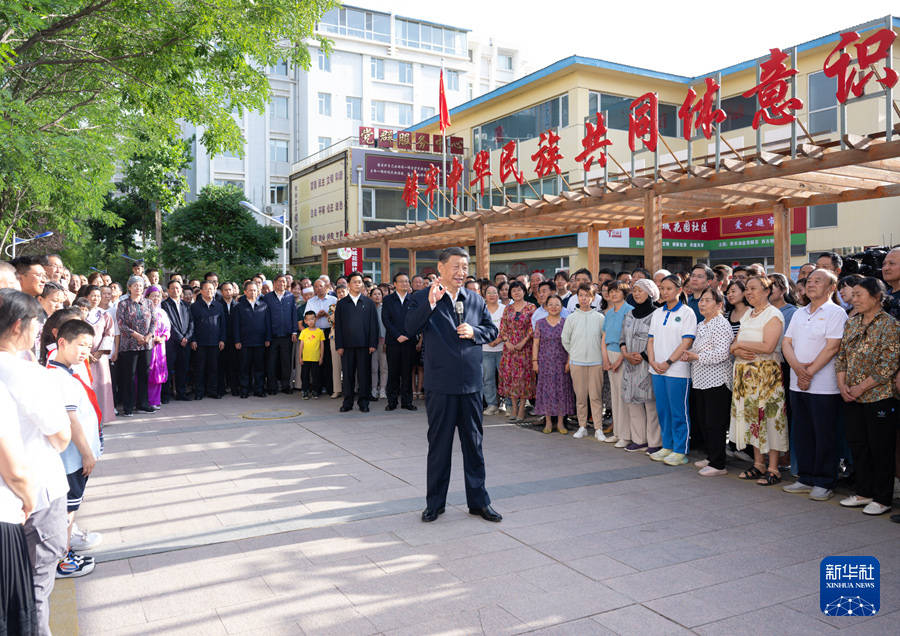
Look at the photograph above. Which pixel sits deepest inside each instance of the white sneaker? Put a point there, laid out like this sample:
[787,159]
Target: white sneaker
[661,454]
[854,501]
[875,508]
[581,432]
[502,408]
[491,409]
[797,487]
[675,459]
[622,443]
[610,438]
[821,494]
[703,463]
[82,540]
[709,471]
[600,437]
[383,395]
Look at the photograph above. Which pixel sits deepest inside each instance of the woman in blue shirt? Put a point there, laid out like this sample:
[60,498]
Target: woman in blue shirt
[613,360]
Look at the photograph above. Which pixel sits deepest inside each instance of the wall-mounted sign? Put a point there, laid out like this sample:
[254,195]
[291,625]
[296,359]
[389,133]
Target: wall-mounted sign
[404,140]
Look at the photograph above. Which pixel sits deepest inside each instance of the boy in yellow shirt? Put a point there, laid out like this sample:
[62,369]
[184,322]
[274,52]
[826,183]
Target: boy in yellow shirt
[312,350]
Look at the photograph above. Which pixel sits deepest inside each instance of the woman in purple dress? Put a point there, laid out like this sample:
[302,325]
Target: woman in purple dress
[555,396]
[159,372]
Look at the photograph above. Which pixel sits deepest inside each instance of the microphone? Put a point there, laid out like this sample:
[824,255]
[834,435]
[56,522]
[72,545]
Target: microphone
[459,312]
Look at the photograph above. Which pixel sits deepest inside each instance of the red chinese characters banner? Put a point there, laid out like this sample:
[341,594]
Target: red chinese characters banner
[760,224]
[354,263]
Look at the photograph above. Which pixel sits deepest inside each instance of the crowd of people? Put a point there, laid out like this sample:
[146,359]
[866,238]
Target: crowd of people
[731,361]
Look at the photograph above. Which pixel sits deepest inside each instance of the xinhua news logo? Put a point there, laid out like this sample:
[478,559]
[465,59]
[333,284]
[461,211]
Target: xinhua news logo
[849,586]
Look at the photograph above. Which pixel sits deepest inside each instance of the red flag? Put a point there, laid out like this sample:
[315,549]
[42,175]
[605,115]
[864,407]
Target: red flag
[442,101]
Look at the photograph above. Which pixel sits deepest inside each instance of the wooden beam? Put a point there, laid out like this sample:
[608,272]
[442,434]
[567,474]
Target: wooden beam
[324,262]
[652,232]
[782,239]
[593,248]
[412,262]
[482,251]
[385,261]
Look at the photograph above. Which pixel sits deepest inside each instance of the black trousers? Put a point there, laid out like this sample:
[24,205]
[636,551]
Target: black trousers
[325,369]
[133,365]
[178,361]
[252,369]
[712,408]
[356,364]
[400,360]
[446,413]
[814,437]
[278,367]
[229,369]
[310,377]
[206,373]
[872,435]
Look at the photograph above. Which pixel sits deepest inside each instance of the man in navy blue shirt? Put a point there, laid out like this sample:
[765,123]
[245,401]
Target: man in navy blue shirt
[208,341]
[252,333]
[283,327]
[400,349]
[453,376]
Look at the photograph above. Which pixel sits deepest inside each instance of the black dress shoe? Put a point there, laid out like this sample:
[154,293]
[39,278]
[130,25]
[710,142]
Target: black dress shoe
[198,396]
[287,391]
[260,394]
[165,400]
[244,396]
[895,518]
[215,396]
[344,409]
[390,407]
[429,515]
[364,409]
[487,513]
[410,407]
[126,414]
[147,409]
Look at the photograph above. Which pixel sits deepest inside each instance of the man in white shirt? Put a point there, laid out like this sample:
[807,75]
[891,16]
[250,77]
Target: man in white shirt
[809,346]
[545,290]
[580,277]
[320,304]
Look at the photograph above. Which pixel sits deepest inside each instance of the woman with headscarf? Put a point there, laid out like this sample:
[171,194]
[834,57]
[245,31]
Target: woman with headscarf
[637,388]
[159,371]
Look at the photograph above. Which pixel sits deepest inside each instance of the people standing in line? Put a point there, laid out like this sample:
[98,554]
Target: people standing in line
[866,365]
[320,304]
[379,356]
[252,335]
[158,372]
[178,346]
[613,362]
[283,318]
[516,376]
[312,352]
[582,340]
[736,305]
[637,386]
[712,372]
[400,349]
[758,413]
[136,320]
[554,396]
[673,328]
[208,341]
[491,353]
[101,377]
[355,338]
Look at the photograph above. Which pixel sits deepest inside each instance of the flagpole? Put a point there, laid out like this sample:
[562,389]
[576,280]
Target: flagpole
[443,142]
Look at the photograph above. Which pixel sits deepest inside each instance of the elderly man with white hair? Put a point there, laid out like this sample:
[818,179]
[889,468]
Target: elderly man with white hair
[8,277]
[890,272]
[659,275]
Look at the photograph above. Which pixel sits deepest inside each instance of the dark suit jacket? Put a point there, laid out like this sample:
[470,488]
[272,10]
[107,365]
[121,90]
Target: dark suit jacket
[228,309]
[452,364]
[355,325]
[250,325]
[179,313]
[209,323]
[282,314]
[393,316]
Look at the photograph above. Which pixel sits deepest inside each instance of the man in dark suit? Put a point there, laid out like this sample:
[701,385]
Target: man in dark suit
[355,338]
[453,377]
[251,327]
[178,351]
[400,349]
[229,361]
[283,326]
[208,341]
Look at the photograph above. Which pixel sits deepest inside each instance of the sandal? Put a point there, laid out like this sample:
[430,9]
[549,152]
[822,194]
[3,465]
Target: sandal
[563,431]
[547,430]
[751,473]
[770,479]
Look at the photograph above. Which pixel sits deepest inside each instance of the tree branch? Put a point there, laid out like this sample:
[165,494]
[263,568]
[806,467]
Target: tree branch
[71,109]
[60,25]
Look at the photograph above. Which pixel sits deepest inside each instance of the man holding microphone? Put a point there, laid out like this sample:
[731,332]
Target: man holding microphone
[454,323]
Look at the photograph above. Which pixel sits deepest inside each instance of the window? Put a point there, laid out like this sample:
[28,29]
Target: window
[739,112]
[279,68]
[228,154]
[452,80]
[405,73]
[278,108]
[357,23]
[431,37]
[405,114]
[823,215]
[617,108]
[324,62]
[230,182]
[427,112]
[354,108]
[324,142]
[278,150]
[525,124]
[278,193]
[325,104]
[505,62]
[823,111]
[377,68]
[378,111]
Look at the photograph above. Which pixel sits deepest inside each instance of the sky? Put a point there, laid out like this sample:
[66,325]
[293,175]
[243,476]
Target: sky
[680,37]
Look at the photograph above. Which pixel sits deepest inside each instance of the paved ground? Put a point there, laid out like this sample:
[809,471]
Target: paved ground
[214,523]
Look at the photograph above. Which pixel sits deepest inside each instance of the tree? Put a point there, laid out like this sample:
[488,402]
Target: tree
[79,78]
[214,233]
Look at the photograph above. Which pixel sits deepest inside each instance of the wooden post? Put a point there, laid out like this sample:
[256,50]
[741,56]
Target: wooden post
[385,261]
[782,236]
[594,252]
[412,263]
[652,233]
[482,251]
[325,260]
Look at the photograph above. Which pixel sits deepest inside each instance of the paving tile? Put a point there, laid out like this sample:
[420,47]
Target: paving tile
[600,567]
[490,564]
[665,581]
[775,619]
[637,619]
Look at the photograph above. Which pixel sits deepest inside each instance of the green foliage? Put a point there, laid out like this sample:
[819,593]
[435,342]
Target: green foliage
[214,233]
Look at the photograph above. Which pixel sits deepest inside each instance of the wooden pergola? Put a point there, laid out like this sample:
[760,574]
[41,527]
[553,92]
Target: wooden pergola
[860,168]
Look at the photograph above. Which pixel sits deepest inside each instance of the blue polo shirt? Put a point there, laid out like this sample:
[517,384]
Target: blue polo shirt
[612,326]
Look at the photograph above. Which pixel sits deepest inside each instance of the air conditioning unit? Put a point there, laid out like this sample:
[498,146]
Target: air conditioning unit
[268,209]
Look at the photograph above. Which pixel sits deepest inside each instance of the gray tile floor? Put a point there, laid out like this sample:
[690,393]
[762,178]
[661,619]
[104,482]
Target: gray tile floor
[214,523]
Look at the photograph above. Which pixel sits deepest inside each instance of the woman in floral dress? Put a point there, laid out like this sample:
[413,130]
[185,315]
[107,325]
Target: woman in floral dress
[555,396]
[516,375]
